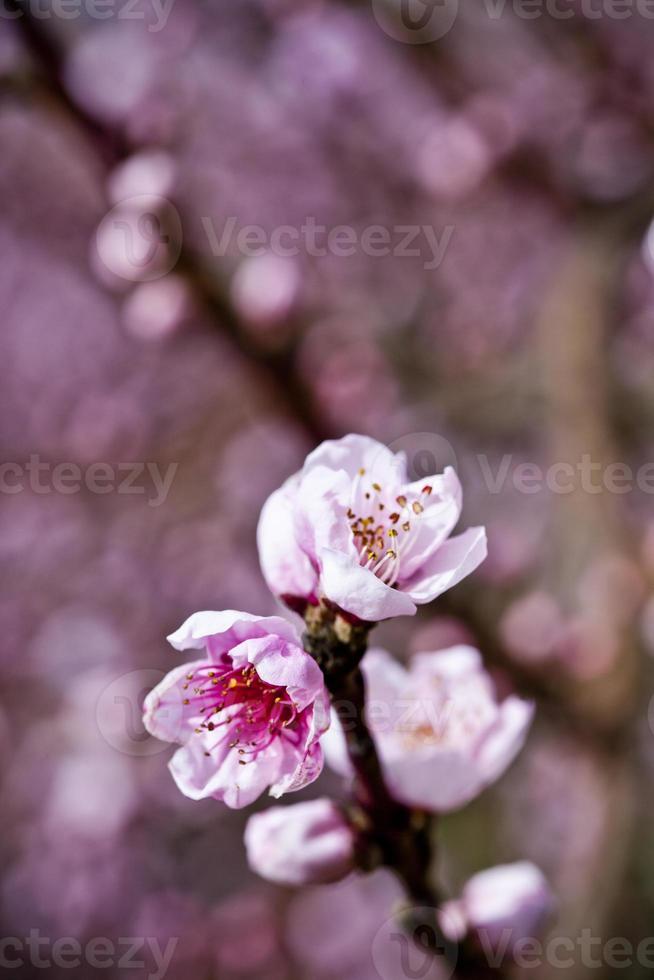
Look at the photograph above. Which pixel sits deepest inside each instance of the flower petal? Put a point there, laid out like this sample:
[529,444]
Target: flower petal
[354,452]
[164,714]
[308,768]
[287,569]
[503,743]
[358,591]
[220,774]
[220,631]
[442,509]
[455,559]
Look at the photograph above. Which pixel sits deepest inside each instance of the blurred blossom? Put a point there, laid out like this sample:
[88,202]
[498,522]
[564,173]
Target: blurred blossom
[531,627]
[504,905]
[148,172]
[589,647]
[139,240]
[441,732]
[155,310]
[111,69]
[301,844]
[453,159]
[264,291]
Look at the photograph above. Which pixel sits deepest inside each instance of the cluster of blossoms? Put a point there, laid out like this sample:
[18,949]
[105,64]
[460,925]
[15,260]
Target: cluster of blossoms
[350,533]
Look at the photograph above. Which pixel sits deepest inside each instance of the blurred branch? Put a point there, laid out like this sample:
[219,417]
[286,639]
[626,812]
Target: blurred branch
[112,147]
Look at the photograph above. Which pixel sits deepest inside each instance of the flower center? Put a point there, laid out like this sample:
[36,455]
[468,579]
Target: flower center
[239,706]
[385,535]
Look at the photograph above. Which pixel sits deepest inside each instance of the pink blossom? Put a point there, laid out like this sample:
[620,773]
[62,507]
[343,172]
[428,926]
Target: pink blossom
[441,732]
[502,905]
[303,844]
[248,714]
[351,528]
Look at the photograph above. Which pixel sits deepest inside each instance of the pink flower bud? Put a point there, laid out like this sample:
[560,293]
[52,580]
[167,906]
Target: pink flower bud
[505,904]
[302,844]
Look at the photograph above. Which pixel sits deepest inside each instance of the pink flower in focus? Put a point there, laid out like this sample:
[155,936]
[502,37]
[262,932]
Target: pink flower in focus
[440,730]
[350,527]
[303,844]
[248,714]
[502,906]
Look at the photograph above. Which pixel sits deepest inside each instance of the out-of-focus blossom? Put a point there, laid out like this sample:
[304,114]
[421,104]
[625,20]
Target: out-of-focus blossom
[350,527]
[150,172]
[453,159]
[138,240]
[249,713]
[501,906]
[155,310]
[532,626]
[303,844]
[441,732]
[264,291]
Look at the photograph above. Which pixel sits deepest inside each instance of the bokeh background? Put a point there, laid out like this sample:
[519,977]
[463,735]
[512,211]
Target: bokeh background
[532,140]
